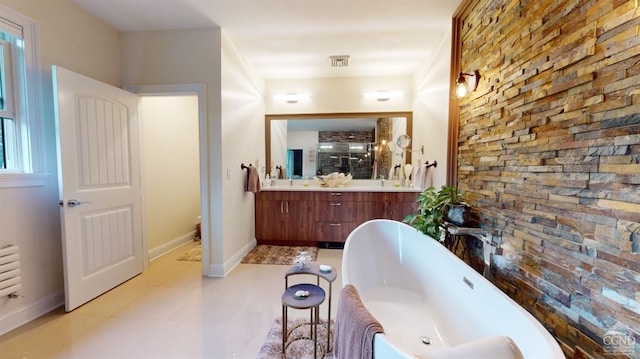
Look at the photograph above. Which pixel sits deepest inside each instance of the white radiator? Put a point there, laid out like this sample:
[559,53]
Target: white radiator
[10,280]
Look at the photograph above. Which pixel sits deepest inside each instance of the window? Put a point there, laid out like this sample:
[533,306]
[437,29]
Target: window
[20,128]
[7,115]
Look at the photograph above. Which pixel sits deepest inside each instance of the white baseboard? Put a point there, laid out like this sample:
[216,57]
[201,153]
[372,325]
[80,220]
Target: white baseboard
[171,245]
[221,270]
[25,314]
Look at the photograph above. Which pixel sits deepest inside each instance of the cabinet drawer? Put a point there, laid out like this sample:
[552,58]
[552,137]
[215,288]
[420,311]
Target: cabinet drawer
[334,231]
[341,196]
[335,211]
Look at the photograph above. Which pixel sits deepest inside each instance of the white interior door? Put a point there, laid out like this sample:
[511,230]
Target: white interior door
[100,187]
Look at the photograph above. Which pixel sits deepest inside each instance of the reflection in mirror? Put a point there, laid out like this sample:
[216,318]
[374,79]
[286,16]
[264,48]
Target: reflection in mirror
[403,141]
[361,144]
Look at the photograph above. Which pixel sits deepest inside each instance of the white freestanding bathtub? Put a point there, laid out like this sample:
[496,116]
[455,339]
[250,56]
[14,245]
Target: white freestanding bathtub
[420,292]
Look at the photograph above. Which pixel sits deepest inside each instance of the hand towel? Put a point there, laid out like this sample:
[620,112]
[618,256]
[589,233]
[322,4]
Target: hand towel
[420,180]
[253,180]
[355,327]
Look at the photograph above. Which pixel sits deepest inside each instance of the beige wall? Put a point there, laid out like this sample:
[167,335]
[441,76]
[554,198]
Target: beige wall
[171,170]
[71,38]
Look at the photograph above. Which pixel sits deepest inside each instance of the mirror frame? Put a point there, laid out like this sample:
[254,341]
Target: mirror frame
[332,116]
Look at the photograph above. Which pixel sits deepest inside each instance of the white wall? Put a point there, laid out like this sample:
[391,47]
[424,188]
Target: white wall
[188,57]
[331,95]
[307,141]
[431,112]
[398,128]
[242,142]
[29,216]
[279,139]
[171,170]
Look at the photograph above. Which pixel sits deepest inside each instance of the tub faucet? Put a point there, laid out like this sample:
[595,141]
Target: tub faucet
[491,242]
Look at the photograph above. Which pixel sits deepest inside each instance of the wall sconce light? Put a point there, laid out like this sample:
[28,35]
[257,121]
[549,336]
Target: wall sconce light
[463,87]
[291,97]
[383,95]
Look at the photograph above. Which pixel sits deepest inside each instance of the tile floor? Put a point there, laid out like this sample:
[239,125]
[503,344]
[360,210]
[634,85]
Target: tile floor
[169,311]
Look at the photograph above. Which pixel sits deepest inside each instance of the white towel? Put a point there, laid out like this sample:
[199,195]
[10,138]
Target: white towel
[420,179]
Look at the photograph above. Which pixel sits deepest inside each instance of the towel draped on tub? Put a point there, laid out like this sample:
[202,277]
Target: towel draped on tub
[355,327]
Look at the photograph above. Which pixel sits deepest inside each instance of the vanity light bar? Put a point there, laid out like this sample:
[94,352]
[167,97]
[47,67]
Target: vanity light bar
[292,97]
[383,95]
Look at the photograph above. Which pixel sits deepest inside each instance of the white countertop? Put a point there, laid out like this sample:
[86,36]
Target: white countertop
[354,186]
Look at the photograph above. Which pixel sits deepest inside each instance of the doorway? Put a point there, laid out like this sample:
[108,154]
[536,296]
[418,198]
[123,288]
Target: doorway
[162,98]
[294,163]
[170,170]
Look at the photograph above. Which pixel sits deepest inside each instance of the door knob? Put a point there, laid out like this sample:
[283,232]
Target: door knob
[73,202]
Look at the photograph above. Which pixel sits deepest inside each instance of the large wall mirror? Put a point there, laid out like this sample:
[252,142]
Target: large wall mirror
[366,145]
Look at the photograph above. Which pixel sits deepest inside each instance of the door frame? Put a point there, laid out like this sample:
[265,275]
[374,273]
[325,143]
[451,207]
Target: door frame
[198,90]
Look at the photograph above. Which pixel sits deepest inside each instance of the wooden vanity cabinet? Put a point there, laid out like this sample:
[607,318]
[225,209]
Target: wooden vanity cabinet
[285,217]
[336,214]
[308,217]
[393,205]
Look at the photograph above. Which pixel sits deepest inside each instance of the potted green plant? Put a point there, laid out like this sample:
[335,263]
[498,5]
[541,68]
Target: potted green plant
[434,206]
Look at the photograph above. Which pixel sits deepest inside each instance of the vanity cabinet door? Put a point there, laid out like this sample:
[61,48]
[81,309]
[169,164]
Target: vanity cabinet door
[270,217]
[394,205]
[405,204]
[300,222]
[284,217]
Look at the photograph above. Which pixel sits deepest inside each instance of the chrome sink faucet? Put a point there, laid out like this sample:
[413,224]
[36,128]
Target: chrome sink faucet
[290,181]
[382,180]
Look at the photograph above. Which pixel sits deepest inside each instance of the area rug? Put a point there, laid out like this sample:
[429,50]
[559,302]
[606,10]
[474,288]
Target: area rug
[266,254]
[299,345]
[193,254]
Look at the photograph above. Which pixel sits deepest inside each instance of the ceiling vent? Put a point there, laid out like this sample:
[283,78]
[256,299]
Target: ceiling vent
[339,61]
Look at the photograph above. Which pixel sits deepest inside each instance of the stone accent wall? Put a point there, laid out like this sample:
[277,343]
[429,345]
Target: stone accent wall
[549,151]
[345,136]
[383,131]
[328,162]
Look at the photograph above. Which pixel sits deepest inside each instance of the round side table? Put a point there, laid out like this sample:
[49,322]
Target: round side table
[312,302]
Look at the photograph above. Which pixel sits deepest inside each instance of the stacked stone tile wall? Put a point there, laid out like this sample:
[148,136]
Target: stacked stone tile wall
[549,151]
[328,162]
[347,136]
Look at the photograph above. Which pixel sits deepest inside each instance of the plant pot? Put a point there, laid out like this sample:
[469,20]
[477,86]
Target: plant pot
[459,213]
